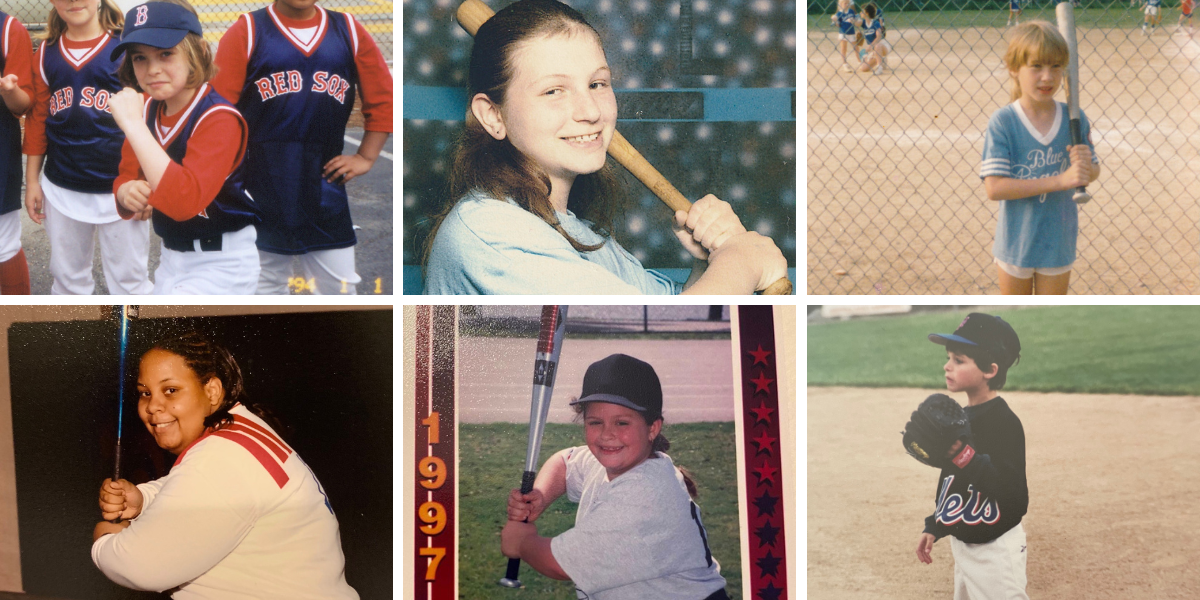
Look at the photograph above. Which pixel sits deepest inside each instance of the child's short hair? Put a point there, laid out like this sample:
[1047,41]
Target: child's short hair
[984,360]
[1035,41]
[195,51]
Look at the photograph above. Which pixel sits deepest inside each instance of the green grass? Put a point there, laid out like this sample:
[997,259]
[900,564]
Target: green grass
[492,458]
[1120,15]
[1093,349]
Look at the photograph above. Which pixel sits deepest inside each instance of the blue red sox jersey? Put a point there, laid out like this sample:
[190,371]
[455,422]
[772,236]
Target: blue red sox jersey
[296,99]
[230,210]
[1039,231]
[845,19]
[10,138]
[83,141]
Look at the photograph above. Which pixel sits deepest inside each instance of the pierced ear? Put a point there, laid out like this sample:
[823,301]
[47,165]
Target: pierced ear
[488,115]
[214,390]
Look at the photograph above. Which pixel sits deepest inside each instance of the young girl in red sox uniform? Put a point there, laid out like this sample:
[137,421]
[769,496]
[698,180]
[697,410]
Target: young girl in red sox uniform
[292,69]
[181,158]
[72,134]
[16,94]
[239,516]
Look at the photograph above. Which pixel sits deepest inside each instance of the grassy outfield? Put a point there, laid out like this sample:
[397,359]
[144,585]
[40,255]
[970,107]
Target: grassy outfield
[1119,15]
[1094,349]
[492,458]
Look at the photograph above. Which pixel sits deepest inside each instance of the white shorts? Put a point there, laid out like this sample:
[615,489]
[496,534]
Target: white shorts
[991,571]
[845,37]
[1027,272]
[1151,11]
[10,235]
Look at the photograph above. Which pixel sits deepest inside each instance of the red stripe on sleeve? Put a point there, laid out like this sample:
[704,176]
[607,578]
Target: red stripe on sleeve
[265,439]
[257,451]
[263,430]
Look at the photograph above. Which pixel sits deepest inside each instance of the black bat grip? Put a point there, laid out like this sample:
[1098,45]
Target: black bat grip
[514,564]
[117,475]
[1077,139]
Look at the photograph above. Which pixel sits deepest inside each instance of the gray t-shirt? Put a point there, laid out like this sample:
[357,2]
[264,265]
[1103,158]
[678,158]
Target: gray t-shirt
[636,537]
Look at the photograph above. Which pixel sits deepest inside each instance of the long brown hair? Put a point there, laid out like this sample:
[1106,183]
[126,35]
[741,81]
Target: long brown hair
[110,16]
[196,53]
[495,167]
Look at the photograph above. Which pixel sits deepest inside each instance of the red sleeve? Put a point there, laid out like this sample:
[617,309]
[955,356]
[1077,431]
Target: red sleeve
[232,56]
[213,151]
[18,55]
[35,119]
[375,81]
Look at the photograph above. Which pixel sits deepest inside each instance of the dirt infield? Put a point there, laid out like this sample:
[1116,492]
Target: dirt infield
[1112,488]
[895,204]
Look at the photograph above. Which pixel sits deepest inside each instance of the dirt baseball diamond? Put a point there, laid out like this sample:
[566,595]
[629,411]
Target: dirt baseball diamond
[1112,497]
[895,204]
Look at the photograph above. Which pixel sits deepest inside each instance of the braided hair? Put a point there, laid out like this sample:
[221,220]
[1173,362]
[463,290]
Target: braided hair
[208,360]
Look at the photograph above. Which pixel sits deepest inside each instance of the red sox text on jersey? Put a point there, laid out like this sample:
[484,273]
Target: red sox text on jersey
[90,97]
[951,509]
[289,82]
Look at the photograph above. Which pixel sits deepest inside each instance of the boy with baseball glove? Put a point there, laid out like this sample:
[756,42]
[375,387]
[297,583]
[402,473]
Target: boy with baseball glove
[982,492]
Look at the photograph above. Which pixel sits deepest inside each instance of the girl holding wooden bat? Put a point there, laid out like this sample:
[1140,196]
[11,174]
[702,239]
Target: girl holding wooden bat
[533,201]
[1031,168]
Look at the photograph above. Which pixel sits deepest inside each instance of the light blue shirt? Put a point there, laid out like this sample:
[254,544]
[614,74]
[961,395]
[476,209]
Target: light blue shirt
[488,246]
[1039,231]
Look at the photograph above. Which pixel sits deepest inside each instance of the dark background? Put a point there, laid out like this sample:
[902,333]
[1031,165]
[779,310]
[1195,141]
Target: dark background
[326,376]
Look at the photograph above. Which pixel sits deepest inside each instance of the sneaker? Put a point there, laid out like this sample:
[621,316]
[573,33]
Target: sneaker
[879,69]
[846,68]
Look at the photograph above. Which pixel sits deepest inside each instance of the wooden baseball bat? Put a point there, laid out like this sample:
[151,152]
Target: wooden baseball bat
[1066,26]
[473,13]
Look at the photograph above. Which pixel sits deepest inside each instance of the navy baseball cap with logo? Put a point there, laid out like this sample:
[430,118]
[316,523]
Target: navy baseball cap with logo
[990,333]
[624,380]
[157,24]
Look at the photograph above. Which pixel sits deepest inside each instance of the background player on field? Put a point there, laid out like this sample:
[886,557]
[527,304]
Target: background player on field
[980,503]
[1025,167]
[181,155]
[1014,13]
[16,96]
[71,132]
[240,515]
[292,69]
[1153,12]
[844,20]
[1185,12]
[872,30]
[637,533]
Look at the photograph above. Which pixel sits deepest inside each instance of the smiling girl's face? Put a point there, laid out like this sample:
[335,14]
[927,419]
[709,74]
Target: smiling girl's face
[618,436]
[560,109]
[172,401]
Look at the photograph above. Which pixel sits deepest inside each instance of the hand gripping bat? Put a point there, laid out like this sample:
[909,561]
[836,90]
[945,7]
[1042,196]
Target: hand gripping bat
[473,13]
[1066,26]
[554,324]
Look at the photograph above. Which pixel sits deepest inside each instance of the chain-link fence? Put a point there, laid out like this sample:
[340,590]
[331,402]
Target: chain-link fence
[217,15]
[895,202]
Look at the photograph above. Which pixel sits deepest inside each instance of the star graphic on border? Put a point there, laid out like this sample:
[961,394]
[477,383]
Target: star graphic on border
[766,504]
[769,565]
[760,355]
[766,534]
[765,442]
[762,413]
[762,384]
[770,592]
[765,473]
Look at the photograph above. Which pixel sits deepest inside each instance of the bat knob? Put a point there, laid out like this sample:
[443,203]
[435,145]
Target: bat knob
[1081,197]
[510,583]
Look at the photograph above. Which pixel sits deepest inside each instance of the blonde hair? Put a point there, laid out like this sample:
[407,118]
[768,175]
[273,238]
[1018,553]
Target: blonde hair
[195,51]
[1034,42]
[111,19]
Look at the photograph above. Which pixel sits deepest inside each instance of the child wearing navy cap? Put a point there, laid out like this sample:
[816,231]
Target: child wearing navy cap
[180,162]
[980,503]
[637,531]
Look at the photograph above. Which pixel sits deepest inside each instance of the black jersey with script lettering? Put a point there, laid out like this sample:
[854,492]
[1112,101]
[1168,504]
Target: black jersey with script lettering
[988,497]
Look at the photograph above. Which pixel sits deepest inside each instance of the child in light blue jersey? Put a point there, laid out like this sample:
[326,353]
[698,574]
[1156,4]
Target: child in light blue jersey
[1031,168]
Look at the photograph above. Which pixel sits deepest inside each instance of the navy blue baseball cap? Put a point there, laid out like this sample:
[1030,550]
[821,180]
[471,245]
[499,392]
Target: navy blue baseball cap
[157,24]
[988,332]
[624,380]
